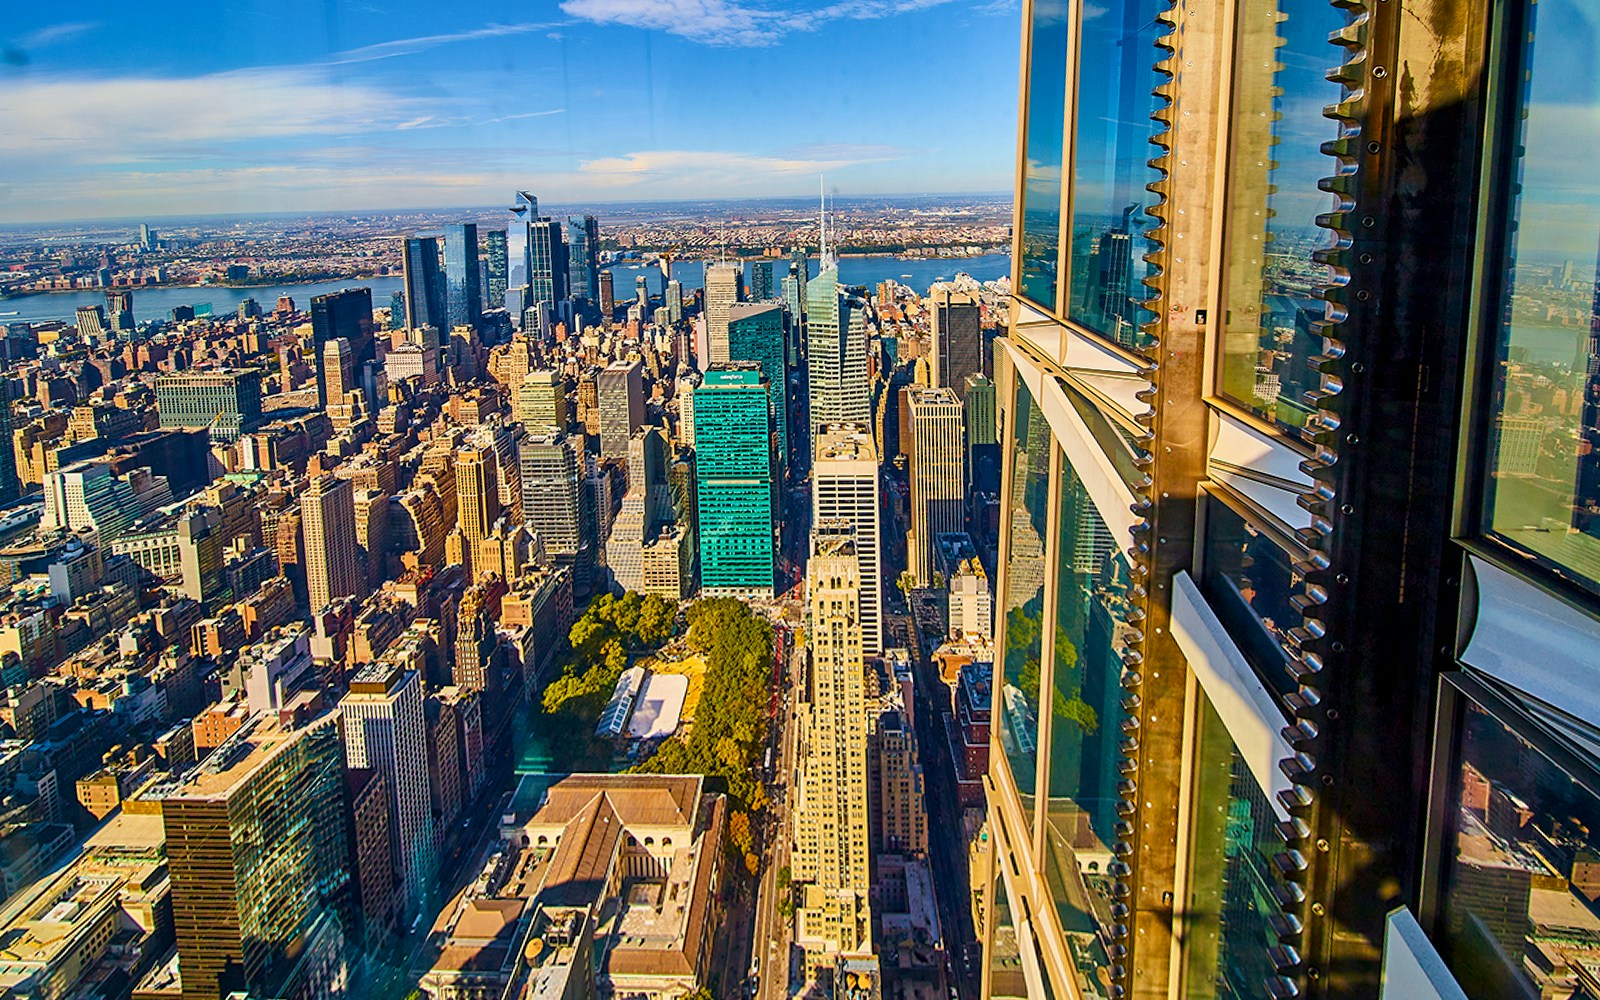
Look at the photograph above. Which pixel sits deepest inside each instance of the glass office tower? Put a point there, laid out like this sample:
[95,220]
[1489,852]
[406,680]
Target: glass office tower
[463,292]
[733,458]
[1299,587]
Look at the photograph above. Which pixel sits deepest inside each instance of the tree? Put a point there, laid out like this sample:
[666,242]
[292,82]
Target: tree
[739,832]
[752,863]
[785,876]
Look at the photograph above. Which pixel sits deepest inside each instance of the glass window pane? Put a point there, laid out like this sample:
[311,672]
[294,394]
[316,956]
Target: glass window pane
[1111,165]
[1543,493]
[1041,177]
[1086,717]
[1024,592]
[1248,580]
[1231,873]
[1007,981]
[1524,875]
[1273,288]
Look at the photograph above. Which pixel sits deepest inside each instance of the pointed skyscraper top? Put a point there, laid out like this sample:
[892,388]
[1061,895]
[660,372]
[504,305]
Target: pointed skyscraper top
[827,260]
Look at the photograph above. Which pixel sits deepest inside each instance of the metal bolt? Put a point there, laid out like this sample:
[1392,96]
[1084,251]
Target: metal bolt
[1373,147]
[1318,909]
[1379,72]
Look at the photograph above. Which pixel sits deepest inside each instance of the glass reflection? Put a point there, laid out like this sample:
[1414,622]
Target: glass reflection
[1523,882]
[1543,492]
[1041,169]
[1111,166]
[1024,592]
[1007,981]
[1273,287]
[1086,716]
[1231,874]
[1248,579]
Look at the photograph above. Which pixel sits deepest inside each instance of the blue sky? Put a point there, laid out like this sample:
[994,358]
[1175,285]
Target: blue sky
[128,109]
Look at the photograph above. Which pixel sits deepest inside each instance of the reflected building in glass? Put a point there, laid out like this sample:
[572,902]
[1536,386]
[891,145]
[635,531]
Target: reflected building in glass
[1299,544]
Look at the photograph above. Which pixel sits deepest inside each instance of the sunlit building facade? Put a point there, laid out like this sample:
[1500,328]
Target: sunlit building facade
[1299,586]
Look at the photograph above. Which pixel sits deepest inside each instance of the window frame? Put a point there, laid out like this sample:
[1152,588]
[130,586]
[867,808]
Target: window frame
[1216,348]
[1058,311]
[1498,189]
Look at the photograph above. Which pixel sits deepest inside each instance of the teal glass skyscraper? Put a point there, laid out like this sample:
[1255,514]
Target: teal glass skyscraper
[583,246]
[755,333]
[733,453]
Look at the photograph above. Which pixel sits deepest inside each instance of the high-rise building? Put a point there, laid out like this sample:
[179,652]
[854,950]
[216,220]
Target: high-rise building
[542,401]
[755,333]
[336,369]
[10,485]
[673,299]
[497,267]
[119,307]
[91,322]
[546,263]
[345,314]
[832,850]
[463,287]
[733,454]
[619,389]
[583,251]
[761,281]
[836,353]
[477,495]
[844,488]
[608,295]
[641,292]
[269,919]
[724,285]
[333,568]
[384,729]
[424,285]
[225,403]
[938,475]
[957,337]
[148,240]
[1291,584]
[554,503]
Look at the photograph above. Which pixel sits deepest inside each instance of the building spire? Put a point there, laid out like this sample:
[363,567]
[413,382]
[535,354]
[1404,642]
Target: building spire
[822,219]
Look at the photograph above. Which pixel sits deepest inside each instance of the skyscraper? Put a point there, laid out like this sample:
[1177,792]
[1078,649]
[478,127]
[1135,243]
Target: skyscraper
[957,337]
[91,322]
[336,370]
[119,306]
[831,861]
[477,495]
[10,484]
[463,290]
[542,402]
[844,488]
[547,263]
[836,352]
[583,249]
[608,295]
[328,513]
[724,286]
[641,292]
[226,403]
[269,918]
[345,314]
[554,502]
[620,392]
[673,297]
[499,270]
[760,280]
[384,729]
[938,475]
[424,284]
[733,454]
[755,333]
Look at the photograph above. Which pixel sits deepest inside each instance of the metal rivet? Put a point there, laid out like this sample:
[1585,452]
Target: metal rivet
[1379,72]
[1348,508]
[1358,368]
[1366,258]
[1338,647]
[1352,438]
[1373,147]
[1327,780]
[1363,295]
[1318,909]
[1333,713]
[1322,844]
[1343,578]
[1368,221]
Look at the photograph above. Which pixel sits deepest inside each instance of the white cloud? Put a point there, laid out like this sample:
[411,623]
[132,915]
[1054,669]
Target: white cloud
[91,121]
[52,34]
[411,46]
[735,22]
[715,22]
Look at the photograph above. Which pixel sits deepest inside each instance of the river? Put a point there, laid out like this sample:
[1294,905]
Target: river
[158,302]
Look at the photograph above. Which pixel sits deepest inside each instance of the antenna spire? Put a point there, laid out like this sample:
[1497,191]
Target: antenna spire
[822,217]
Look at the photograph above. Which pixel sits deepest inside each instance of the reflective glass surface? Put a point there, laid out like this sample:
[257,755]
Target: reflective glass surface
[1023,606]
[1041,170]
[1006,978]
[1273,287]
[1523,874]
[1543,489]
[1231,872]
[1111,166]
[1248,580]
[1086,716]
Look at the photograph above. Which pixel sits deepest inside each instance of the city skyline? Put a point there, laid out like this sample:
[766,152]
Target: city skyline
[307,110]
